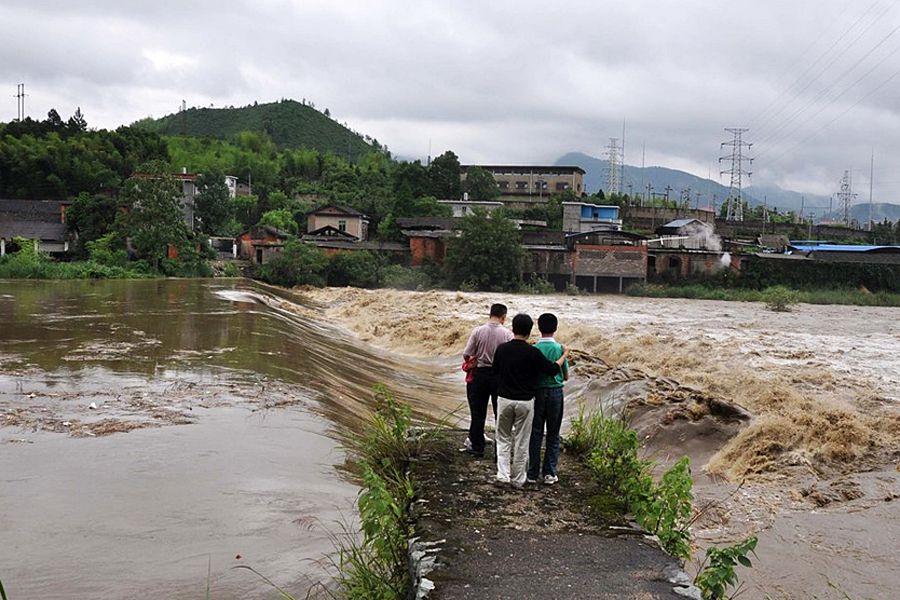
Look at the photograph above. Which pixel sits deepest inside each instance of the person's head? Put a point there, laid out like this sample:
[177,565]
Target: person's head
[522,325]
[498,312]
[547,324]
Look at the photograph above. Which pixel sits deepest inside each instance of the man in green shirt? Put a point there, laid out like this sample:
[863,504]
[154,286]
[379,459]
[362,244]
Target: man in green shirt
[548,407]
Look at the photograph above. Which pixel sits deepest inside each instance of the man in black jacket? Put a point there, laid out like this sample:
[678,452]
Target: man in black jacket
[518,366]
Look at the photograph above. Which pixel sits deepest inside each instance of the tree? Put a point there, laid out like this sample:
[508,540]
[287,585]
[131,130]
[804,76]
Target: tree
[480,184]
[77,122]
[212,205]
[487,254]
[444,176]
[90,218]
[282,219]
[155,218]
[299,264]
[357,269]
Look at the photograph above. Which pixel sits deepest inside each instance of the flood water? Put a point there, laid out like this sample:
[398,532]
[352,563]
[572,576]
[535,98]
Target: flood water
[154,431]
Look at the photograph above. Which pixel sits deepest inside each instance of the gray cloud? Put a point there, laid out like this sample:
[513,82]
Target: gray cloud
[497,82]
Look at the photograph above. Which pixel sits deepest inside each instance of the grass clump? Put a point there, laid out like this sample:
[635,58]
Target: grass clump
[663,507]
[374,566]
[611,450]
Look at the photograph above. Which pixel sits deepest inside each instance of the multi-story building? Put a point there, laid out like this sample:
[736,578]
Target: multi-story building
[581,217]
[529,184]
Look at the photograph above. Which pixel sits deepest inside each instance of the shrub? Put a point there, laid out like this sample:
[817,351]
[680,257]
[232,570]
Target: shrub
[357,269]
[298,264]
[537,285]
[104,251]
[405,278]
[717,573]
[780,298]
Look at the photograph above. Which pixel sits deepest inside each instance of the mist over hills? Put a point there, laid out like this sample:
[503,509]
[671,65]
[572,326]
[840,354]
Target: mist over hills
[660,177]
[289,123]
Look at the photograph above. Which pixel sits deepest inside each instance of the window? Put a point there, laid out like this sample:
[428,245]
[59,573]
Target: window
[561,185]
[540,185]
[504,185]
[521,185]
[342,225]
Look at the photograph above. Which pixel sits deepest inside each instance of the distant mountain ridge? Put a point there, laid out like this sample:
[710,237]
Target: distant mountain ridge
[755,195]
[289,123]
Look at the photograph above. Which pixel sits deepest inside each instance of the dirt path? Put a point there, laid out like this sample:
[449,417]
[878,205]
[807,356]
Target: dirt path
[536,542]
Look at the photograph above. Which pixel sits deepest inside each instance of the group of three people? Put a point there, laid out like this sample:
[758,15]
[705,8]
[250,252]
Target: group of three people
[524,383]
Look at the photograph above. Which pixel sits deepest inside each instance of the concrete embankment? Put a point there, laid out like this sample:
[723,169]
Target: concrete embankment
[482,539]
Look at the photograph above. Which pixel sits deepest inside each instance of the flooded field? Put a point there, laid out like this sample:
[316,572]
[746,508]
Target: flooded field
[151,431]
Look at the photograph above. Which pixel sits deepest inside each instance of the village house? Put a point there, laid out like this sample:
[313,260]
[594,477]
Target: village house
[260,243]
[43,221]
[582,217]
[466,207]
[343,219]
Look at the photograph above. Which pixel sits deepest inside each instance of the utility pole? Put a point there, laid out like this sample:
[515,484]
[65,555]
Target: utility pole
[20,101]
[649,194]
[668,189]
[613,176]
[622,165]
[735,201]
[643,156]
[871,180]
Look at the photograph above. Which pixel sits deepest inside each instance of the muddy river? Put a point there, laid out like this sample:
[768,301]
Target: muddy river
[155,434]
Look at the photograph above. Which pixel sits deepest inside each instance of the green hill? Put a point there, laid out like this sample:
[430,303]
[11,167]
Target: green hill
[289,123]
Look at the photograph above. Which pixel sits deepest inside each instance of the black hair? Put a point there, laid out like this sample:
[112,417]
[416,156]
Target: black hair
[522,324]
[498,310]
[547,323]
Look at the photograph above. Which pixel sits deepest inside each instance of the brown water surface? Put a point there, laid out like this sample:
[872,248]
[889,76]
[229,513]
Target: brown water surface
[231,407]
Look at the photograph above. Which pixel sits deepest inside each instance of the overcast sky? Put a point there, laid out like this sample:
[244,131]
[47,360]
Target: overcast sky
[498,82]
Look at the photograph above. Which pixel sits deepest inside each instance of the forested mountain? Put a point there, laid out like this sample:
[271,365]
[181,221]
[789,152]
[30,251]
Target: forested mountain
[290,124]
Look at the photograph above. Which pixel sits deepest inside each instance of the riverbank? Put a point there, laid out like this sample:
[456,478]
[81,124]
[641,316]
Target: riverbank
[855,297]
[819,384]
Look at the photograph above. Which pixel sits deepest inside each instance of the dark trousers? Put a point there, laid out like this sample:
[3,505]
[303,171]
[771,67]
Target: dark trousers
[482,387]
[548,410]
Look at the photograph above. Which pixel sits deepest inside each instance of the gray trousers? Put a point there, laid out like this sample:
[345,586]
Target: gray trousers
[513,434]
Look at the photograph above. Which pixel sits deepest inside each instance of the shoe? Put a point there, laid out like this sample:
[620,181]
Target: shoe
[473,453]
[530,480]
[467,445]
[550,479]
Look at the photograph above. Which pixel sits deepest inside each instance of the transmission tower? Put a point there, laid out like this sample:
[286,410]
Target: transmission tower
[735,201]
[845,197]
[613,176]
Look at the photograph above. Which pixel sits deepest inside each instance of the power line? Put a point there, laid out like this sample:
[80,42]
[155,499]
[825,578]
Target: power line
[844,112]
[810,104]
[799,93]
[810,67]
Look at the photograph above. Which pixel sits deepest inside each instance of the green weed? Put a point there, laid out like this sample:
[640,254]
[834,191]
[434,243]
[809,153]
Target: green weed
[717,573]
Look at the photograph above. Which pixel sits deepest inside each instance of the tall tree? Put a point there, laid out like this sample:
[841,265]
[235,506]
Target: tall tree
[155,218]
[444,175]
[480,184]
[487,254]
[212,204]
[89,218]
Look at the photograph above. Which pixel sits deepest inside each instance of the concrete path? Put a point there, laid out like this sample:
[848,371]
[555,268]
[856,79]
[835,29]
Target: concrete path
[536,542]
